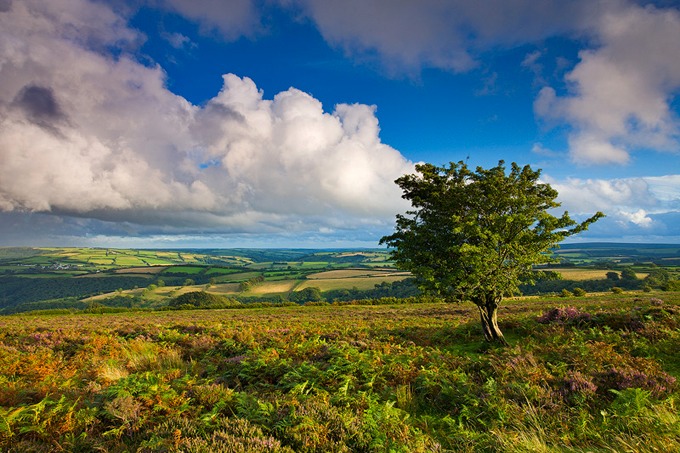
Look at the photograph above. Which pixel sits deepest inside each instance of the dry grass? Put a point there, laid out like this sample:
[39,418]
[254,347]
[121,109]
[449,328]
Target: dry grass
[587,274]
[350,282]
[281,286]
[175,291]
[224,288]
[140,270]
[111,371]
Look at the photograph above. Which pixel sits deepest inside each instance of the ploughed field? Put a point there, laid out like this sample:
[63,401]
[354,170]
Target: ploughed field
[581,374]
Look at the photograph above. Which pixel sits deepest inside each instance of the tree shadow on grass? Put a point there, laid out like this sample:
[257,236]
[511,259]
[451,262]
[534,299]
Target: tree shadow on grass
[464,336]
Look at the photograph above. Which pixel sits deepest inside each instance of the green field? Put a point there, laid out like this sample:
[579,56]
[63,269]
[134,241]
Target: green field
[42,278]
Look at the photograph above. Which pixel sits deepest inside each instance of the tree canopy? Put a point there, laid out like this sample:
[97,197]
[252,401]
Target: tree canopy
[476,235]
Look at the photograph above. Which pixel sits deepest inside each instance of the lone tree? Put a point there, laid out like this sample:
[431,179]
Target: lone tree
[475,236]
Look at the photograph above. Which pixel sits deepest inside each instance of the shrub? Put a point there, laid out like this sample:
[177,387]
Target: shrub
[566,315]
[566,293]
[315,304]
[310,294]
[579,292]
[616,290]
[620,378]
[628,274]
[201,299]
[671,285]
[577,388]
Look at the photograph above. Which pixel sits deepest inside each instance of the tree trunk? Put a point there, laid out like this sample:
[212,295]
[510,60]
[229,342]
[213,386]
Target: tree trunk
[489,315]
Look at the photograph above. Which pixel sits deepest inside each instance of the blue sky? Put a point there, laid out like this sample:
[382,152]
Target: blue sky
[283,123]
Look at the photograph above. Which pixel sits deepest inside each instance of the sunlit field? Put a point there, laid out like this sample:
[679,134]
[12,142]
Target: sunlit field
[587,274]
[362,283]
[581,374]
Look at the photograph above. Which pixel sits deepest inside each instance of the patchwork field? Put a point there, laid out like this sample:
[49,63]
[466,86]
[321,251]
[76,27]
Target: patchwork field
[45,278]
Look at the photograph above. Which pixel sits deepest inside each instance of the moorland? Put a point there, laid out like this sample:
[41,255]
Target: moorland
[594,373]
[218,351]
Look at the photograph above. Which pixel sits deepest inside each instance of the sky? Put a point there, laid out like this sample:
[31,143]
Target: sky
[284,123]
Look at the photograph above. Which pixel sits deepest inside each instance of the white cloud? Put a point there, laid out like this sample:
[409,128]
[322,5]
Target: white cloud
[178,40]
[287,155]
[638,217]
[539,149]
[621,90]
[629,201]
[90,135]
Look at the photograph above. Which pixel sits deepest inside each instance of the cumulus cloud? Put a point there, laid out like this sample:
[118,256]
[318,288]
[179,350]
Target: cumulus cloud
[88,135]
[620,91]
[638,217]
[629,202]
[287,155]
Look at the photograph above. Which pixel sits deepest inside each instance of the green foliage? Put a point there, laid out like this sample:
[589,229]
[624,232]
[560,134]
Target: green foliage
[628,274]
[657,278]
[590,286]
[202,299]
[309,294]
[579,292]
[18,290]
[477,235]
[250,283]
[399,289]
[672,285]
[613,276]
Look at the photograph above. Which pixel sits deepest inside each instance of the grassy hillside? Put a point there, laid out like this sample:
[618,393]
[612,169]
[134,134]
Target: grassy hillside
[584,374]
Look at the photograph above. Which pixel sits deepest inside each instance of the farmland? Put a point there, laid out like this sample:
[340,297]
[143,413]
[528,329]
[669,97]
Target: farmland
[79,278]
[39,278]
[581,374]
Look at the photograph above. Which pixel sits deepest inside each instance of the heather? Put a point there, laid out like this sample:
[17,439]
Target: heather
[594,373]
